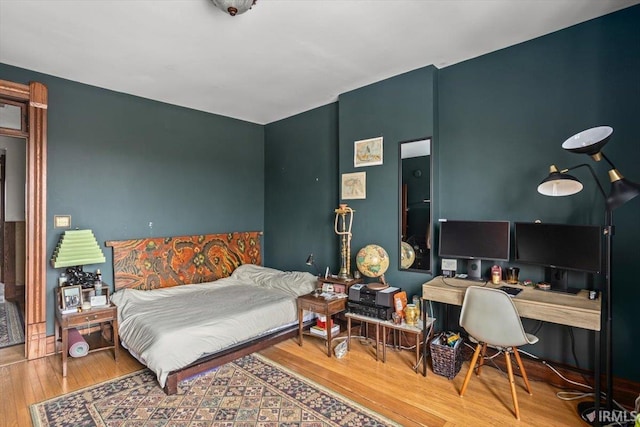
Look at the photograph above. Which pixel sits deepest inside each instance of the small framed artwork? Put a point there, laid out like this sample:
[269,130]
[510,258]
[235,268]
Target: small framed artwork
[367,152]
[61,221]
[354,185]
[71,297]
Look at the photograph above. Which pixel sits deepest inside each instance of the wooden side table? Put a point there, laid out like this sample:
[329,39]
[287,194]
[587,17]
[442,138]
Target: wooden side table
[87,318]
[367,320]
[416,330]
[339,285]
[319,305]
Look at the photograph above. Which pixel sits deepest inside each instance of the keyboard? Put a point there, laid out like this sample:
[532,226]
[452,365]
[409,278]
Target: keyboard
[511,291]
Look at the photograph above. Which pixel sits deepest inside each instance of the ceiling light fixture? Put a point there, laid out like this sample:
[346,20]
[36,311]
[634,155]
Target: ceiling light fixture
[234,7]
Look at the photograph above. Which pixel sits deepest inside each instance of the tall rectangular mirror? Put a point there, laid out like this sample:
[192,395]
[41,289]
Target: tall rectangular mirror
[415,205]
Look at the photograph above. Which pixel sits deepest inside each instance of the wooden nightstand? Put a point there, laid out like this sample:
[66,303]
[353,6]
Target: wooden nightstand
[319,305]
[96,316]
[339,285]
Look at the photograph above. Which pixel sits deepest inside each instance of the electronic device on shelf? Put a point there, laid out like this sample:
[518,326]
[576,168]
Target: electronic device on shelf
[370,302]
[559,248]
[474,241]
[382,297]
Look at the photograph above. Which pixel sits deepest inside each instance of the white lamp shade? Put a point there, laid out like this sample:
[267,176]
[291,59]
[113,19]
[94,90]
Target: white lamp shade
[77,247]
[559,184]
[589,141]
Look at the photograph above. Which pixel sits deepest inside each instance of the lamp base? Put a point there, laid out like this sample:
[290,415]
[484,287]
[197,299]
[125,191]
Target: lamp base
[619,417]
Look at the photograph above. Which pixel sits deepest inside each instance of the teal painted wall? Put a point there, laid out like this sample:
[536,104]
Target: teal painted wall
[301,174]
[399,109]
[498,122]
[117,162]
[503,119]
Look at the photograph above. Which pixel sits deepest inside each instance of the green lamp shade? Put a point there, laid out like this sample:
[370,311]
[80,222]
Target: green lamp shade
[77,247]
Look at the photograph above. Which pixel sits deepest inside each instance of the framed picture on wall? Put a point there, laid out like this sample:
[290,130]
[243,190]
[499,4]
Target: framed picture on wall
[367,152]
[354,185]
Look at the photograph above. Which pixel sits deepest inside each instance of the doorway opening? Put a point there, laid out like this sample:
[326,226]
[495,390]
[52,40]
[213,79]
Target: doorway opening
[12,244]
[31,103]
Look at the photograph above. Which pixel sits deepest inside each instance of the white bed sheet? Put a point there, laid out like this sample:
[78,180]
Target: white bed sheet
[169,328]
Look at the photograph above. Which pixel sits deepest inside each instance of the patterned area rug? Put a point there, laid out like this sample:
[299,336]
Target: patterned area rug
[11,325]
[250,391]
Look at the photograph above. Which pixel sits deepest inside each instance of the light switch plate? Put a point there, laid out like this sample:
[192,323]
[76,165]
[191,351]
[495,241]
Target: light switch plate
[62,221]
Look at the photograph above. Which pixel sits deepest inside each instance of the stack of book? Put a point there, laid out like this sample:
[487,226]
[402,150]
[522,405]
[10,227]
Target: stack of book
[321,332]
[321,321]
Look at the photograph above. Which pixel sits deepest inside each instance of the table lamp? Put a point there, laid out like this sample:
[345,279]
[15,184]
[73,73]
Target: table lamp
[311,262]
[75,249]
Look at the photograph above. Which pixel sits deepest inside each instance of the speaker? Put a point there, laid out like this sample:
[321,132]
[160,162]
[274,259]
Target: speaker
[384,297]
[354,292]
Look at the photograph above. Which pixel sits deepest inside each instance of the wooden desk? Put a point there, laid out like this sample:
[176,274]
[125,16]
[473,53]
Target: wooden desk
[565,309]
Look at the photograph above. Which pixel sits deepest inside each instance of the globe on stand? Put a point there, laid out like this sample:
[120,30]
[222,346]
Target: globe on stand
[373,261]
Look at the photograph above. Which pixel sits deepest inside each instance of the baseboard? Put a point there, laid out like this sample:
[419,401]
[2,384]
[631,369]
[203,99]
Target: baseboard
[625,391]
[50,345]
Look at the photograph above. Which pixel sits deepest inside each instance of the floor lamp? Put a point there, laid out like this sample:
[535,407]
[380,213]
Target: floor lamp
[559,183]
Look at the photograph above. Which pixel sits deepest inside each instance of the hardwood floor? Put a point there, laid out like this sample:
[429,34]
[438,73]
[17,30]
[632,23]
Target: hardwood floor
[392,388]
[12,354]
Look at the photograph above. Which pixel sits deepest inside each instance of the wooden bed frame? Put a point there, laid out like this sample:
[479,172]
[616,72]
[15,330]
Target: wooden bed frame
[175,261]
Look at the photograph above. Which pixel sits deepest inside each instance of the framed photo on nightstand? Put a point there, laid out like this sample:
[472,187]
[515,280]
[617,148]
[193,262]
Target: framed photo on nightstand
[71,297]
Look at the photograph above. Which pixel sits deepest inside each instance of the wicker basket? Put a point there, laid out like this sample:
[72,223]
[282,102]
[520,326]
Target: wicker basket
[445,360]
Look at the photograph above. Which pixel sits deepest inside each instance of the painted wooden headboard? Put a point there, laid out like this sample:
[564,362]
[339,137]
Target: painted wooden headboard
[160,262]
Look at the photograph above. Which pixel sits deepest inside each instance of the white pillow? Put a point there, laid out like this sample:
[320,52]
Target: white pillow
[293,282]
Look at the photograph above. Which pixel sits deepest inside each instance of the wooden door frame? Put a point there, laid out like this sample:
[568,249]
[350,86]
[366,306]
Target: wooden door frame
[34,97]
[3,169]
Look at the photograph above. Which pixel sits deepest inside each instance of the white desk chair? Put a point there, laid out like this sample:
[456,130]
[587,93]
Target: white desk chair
[490,317]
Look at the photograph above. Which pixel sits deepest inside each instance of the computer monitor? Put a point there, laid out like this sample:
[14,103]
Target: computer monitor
[558,248]
[475,241]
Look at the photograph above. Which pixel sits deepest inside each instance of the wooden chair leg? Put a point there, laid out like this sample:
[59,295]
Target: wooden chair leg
[481,362]
[512,384]
[470,371]
[522,371]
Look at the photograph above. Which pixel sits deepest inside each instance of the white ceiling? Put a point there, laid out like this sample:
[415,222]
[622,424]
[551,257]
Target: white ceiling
[281,58]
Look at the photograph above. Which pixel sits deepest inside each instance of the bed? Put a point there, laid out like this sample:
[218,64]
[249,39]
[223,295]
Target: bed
[190,303]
